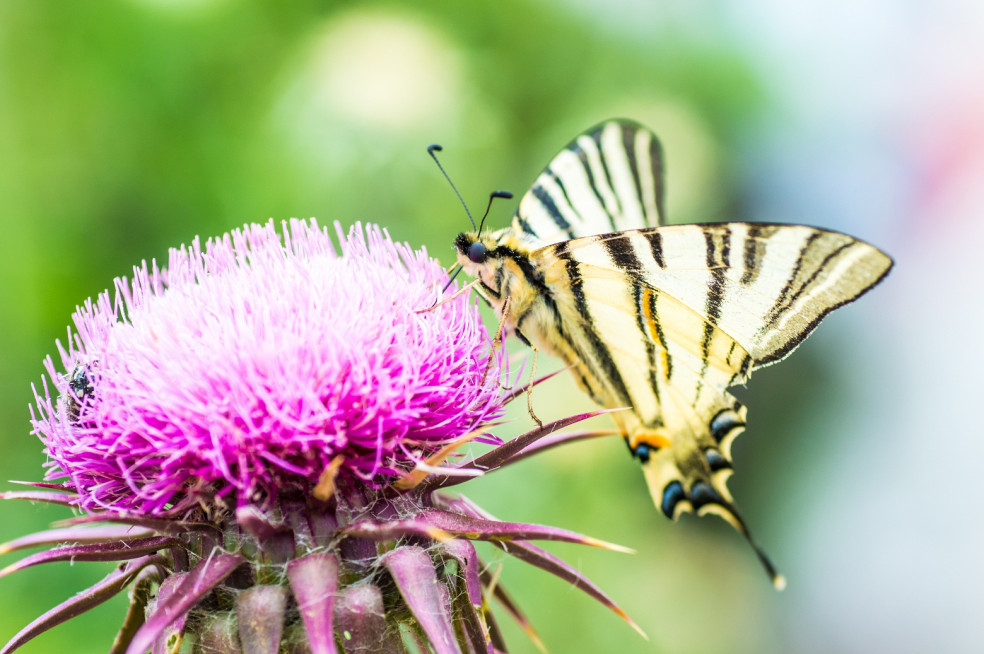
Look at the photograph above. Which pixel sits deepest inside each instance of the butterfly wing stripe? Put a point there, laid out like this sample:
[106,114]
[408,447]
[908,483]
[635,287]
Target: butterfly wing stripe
[567,183]
[599,350]
[696,350]
[622,177]
[755,239]
[634,158]
[591,145]
[656,249]
[794,278]
[622,253]
[662,370]
[650,175]
[629,146]
[569,207]
[601,219]
[717,257]
[549,210]
[534,216]
[571,172]
[639,294]
[647,302]
[611,303]
[644,304]
[803,287]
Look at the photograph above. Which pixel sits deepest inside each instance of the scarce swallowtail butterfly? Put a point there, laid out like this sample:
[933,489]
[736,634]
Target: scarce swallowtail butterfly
[660,318]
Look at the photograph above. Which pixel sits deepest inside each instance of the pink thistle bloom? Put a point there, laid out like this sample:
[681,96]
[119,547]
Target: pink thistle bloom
[260,436]
[242,370]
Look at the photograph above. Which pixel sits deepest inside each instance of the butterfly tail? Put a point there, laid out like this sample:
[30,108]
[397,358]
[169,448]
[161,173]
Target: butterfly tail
[680,481]
[729,512]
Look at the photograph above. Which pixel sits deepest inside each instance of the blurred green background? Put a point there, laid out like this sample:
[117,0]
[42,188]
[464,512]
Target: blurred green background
[127,127]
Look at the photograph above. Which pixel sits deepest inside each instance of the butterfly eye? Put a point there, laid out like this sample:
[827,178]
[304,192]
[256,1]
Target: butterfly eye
[477,252]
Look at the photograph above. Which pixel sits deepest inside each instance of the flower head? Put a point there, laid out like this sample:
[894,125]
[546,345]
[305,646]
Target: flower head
[245,368]
[260,435]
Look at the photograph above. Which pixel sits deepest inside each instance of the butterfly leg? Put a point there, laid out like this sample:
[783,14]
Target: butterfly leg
[453,296]
[496,340]
[529,389]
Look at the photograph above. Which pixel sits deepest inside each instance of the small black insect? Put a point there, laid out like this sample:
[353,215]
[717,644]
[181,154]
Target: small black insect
[81,387]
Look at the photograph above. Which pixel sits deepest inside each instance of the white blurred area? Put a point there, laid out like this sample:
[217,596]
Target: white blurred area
[372,73]
[363,74]
[380,70]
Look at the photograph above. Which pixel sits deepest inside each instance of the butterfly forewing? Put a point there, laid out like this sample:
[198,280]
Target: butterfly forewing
[765,286]
[608,179]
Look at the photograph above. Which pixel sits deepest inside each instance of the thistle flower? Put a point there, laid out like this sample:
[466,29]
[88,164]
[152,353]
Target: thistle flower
[260,433]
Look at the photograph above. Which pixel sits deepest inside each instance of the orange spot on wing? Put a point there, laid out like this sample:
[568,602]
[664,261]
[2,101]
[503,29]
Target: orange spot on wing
[647,304]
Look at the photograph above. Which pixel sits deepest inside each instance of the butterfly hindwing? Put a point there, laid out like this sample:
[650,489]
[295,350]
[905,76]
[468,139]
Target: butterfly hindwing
[608,179]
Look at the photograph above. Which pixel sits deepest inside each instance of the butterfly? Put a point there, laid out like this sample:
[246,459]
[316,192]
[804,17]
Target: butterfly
[660,318]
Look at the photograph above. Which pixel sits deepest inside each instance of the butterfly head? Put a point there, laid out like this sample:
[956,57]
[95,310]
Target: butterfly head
[476,252]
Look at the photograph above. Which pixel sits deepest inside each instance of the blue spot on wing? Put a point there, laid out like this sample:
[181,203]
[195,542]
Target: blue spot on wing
[715,460]
[672,494]
[643,452]
[723,423]
[701,494]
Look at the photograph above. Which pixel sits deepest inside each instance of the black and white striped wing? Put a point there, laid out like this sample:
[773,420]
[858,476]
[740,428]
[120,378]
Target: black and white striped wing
[766,287]
[609,179]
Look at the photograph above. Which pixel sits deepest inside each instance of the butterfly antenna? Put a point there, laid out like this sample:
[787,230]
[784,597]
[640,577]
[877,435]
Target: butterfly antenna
[506,195]
[431,149]
[451,280]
